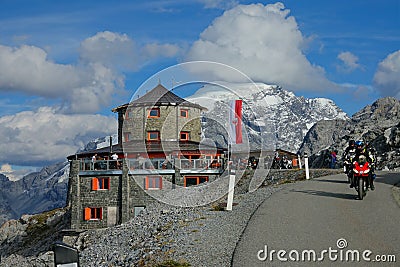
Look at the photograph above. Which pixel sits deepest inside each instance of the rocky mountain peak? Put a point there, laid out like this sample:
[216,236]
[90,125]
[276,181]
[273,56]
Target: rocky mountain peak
[270,114]
[378,124]
[383,109]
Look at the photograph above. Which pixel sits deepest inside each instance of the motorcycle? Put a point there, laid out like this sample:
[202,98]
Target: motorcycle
[252,163]
[361,173]
[286,163]
[276,164]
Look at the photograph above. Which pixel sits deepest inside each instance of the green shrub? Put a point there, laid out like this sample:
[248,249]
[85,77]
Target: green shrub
[172,263]
[217,207]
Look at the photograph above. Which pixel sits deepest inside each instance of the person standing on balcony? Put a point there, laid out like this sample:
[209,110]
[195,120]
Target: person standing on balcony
[94,158]
[142,161]
[115,158]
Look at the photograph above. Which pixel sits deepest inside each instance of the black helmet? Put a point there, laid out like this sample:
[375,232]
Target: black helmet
[351,142]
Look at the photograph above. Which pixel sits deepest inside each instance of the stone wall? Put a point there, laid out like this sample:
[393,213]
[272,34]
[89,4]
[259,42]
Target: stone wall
[126,193]
[81,196]
[108,200]
[73,200]
[276,176]
[134,123]
[169,124]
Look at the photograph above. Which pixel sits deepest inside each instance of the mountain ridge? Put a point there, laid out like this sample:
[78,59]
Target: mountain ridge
[40,191]
[285,117]
[378,124]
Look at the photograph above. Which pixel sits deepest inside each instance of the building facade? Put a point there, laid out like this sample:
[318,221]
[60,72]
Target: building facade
[159,148]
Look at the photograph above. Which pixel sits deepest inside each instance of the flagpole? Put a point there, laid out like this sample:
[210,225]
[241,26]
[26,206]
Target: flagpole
[231,186]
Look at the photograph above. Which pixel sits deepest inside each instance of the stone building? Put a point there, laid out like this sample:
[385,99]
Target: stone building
[159,148]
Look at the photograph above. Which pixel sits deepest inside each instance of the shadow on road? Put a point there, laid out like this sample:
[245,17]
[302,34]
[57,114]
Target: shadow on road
[388,178]
[326,194]
[332,181]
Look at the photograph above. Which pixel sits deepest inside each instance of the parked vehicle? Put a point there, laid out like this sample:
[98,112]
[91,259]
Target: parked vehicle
[252,163]
[286,163]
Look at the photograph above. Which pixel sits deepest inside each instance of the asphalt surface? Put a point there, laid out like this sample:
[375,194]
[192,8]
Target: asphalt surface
[324,216]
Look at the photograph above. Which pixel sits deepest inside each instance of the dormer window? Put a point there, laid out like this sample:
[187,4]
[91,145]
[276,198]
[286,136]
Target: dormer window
[184,113]
[184,136]
[154,113]
[153,135]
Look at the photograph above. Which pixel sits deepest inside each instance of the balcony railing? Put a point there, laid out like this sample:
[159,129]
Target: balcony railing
[100,165]
[151,164]
[182,164]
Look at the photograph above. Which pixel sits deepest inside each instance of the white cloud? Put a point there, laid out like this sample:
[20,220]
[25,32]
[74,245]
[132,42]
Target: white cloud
[349,60]
[90,97]
[264,43]
[387,76]
[14,175]
[111,49]
[156,50]
[6,168]
[36,138]
[116,50]
[220,4]
[28,70]
[86,86]
[49,134]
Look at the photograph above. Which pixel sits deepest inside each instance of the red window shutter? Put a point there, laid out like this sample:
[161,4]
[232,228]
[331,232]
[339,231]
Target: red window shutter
[95,184]
[88,214]
[100,213]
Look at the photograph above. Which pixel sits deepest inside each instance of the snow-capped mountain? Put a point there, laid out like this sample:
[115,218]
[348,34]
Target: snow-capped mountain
[100,143]
[270,113]
[40,191]
[35,192]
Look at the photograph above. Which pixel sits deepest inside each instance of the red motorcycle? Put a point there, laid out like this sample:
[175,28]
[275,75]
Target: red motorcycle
[361,173]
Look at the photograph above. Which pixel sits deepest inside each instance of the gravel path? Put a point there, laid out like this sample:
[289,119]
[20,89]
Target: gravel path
[200,236]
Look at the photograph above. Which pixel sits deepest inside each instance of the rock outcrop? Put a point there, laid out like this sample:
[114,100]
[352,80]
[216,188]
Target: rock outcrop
[378,124]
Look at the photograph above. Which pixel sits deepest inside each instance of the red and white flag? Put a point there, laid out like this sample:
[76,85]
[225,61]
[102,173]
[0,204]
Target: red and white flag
[235,122]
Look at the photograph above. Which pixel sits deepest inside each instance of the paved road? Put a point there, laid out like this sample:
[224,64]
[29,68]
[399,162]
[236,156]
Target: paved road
[314,215]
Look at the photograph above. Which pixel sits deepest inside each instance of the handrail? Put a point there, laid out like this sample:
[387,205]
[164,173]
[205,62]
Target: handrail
[151,164]
[183,164]
[100,165]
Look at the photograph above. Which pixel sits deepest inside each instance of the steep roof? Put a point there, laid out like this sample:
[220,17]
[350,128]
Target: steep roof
[159,96]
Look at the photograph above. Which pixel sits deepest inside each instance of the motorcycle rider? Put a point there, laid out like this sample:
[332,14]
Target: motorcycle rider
[362,149]
[349,153]
[372,152]
[348,156]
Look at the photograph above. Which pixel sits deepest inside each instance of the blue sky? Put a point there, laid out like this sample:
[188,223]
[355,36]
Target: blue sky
[67,63]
